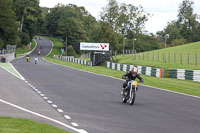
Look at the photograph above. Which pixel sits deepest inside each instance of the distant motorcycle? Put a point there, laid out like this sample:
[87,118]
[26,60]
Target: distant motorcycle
[130,92]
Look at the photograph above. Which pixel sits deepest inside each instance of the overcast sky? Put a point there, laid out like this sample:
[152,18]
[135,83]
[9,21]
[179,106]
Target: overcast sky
[163,10]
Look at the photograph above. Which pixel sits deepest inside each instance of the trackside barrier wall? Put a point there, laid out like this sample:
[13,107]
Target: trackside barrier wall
[74,60]
[156,72]
[183,74]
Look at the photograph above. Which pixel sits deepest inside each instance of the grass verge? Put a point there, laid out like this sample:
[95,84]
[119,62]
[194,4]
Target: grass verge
[179,57]
[21,51]
[9,68]
[182,86]
[16,125]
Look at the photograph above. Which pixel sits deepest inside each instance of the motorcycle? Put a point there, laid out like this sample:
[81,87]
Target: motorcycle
[130,92]
[27,59]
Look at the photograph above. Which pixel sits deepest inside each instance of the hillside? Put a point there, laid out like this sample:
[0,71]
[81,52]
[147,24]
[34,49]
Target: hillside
[180,57]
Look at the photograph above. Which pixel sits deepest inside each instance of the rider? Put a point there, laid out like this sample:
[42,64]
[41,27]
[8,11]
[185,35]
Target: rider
[27,57]
[39,52]
[36,60]
[132,75]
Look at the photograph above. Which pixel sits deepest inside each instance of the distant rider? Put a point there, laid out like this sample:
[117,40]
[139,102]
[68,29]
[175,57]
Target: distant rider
[36,60]
[132,75]
[27,58]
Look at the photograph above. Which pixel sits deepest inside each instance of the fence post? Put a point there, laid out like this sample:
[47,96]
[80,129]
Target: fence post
[188,58]
[135,56]
[143,55]
[181,58]
[148,56]
[158,56]
[196,59]
[153,56]
[163,56]
[169,57]
[174,58]
[139,55]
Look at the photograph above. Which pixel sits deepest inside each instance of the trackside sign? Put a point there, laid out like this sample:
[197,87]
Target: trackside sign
[94,46]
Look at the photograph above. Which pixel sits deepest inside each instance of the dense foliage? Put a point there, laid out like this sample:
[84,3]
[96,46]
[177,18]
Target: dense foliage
[185,29]
[119,25]
[19,21]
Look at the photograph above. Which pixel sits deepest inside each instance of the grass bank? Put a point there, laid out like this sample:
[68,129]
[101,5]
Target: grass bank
[182,86]
[180,57]
[16,125]
[25,49]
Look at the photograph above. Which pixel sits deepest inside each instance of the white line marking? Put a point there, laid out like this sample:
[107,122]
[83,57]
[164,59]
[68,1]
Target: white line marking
[49,101]
[45,98]
[123,80]
[36,89]
[51,47]
[172,91]
[67,117]
[22,78]
[45,117]
[60,110]
[42,95]
[39,92]
[74,124]
[29,84]
[13,73]
[26,81]
[55,106]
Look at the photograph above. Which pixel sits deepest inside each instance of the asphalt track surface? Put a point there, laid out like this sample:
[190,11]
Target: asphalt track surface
[94,101]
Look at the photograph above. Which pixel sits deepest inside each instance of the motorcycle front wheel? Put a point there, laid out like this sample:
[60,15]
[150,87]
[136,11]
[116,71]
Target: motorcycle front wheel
[132,98]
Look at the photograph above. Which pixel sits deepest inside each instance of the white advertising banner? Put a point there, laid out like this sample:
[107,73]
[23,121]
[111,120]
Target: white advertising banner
[94,46]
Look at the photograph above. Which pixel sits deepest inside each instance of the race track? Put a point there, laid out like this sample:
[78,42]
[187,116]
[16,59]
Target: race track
[94,101]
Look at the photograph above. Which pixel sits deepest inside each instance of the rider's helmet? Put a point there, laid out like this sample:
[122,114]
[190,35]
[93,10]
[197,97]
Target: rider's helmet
[134,71]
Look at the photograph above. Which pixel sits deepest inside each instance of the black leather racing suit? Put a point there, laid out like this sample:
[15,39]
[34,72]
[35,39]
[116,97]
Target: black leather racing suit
[131,77]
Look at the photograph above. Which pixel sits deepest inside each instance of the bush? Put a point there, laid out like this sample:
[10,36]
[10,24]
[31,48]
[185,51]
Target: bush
[177,42]
[71,51]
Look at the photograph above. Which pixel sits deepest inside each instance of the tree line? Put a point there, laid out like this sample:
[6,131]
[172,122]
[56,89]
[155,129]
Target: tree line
[185,29]
[19,21]
[119,25]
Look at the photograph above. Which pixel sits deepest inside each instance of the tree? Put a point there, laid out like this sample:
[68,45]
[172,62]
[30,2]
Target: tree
[29,15]
[125,20]
[8,23]
[187,20]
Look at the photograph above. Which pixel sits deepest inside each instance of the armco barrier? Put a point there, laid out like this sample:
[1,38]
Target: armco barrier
[183,74]
[156,72]
[74,60]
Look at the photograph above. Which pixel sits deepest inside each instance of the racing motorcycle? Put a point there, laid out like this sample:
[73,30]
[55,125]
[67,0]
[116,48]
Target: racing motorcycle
[130,92]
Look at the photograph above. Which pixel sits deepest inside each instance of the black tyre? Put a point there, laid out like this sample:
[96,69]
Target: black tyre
[124,99]
[132,98]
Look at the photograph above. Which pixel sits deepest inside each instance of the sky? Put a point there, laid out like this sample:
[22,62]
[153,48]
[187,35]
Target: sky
[162,11]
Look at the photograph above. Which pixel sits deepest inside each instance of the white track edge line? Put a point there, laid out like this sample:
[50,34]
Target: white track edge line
[42,116]
[17,72]
[11,73]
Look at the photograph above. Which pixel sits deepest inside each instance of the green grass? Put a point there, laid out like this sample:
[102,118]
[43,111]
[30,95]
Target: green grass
[21,51]
[173,57]
[182,86]
[15,125]
[9,68]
